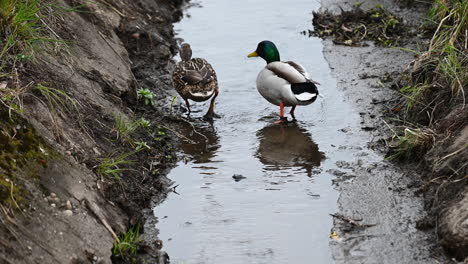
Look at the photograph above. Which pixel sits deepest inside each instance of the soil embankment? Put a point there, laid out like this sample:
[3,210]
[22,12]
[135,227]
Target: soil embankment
[82,155]
[422,121]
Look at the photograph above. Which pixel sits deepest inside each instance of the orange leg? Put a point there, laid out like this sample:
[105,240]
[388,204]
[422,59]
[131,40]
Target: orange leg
[281,110]
[282,118]
[292,112]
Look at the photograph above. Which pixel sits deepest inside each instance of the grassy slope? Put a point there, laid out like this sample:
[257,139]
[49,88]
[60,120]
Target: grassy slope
[435,120]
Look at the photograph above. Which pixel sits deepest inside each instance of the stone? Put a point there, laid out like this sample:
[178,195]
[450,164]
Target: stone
[68,205]
[68,213]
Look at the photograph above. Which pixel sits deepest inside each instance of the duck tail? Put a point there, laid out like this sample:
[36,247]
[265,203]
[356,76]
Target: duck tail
[306,91]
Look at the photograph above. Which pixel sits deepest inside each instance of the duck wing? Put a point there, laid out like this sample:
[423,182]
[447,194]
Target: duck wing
[302,87]
[195,71]
[192,77]
[205,70]
[287,72]
[298,67]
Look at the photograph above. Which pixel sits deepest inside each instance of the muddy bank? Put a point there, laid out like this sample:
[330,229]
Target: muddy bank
[380,211]
[101,154]
[375,78]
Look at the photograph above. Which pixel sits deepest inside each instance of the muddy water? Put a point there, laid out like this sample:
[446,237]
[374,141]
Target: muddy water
[278,213]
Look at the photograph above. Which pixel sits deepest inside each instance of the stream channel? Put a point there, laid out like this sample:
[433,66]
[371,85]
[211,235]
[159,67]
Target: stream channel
[280,211]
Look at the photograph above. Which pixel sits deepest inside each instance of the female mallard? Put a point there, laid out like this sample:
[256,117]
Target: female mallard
[283,83]
[195,79]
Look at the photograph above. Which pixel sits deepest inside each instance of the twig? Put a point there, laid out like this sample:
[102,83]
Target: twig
[113,8]
[13,198]
[453,153]
[351,221]
[179,135]
[95,211]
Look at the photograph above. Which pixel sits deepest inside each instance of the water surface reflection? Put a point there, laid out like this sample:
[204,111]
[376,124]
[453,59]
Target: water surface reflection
[199,140]
[288,146]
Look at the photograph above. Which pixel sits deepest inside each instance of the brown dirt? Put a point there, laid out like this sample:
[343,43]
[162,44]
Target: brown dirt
[113,50]
[355,26]
[437,168]
[443,158]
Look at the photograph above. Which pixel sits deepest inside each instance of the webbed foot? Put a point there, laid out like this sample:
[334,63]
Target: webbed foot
[282,120]
[210,115]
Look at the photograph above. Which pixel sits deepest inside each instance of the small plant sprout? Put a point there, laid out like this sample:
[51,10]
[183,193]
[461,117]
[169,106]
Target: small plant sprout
[124,129]
[144,123]
[141,145]
[173,101]
[147,95]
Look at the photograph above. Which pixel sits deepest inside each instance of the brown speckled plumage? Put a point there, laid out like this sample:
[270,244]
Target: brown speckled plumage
[195,79]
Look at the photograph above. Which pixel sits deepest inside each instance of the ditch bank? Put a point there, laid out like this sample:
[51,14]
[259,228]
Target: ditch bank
[421,210]
[82,155]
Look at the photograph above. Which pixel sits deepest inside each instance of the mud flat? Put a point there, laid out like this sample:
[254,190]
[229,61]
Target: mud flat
[384,196]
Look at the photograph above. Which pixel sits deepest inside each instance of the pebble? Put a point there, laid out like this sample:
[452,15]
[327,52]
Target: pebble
[46,200]
[238,177]
[68,153]
[56,199]
[52,204]
[96,151]
[53,195]
[68,205]
[68,213]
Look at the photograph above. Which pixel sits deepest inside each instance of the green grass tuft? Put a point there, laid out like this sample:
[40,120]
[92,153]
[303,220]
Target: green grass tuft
[57,100]
[127,246]
[124,129]
[113,166]
[438,78]
[413,139]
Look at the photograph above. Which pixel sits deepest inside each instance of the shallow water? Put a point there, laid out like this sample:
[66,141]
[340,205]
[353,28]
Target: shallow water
[279,213]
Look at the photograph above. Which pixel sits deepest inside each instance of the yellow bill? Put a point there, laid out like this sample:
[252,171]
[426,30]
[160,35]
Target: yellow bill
[253,54]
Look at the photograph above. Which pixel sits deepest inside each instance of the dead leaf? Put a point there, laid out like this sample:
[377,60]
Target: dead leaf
[334,236]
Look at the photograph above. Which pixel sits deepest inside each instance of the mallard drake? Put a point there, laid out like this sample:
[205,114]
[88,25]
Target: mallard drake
[283,83]
[195,79]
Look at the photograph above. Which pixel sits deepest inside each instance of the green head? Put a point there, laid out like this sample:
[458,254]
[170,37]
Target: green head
[267,50]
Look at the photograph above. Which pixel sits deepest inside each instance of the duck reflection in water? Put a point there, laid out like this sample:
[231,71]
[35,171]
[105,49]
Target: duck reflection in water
[288,146]
[199,140]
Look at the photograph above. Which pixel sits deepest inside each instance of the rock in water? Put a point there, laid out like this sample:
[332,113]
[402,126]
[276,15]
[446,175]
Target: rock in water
[238,177]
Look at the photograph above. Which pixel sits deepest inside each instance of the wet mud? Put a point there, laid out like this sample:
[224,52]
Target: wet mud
[380,195]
